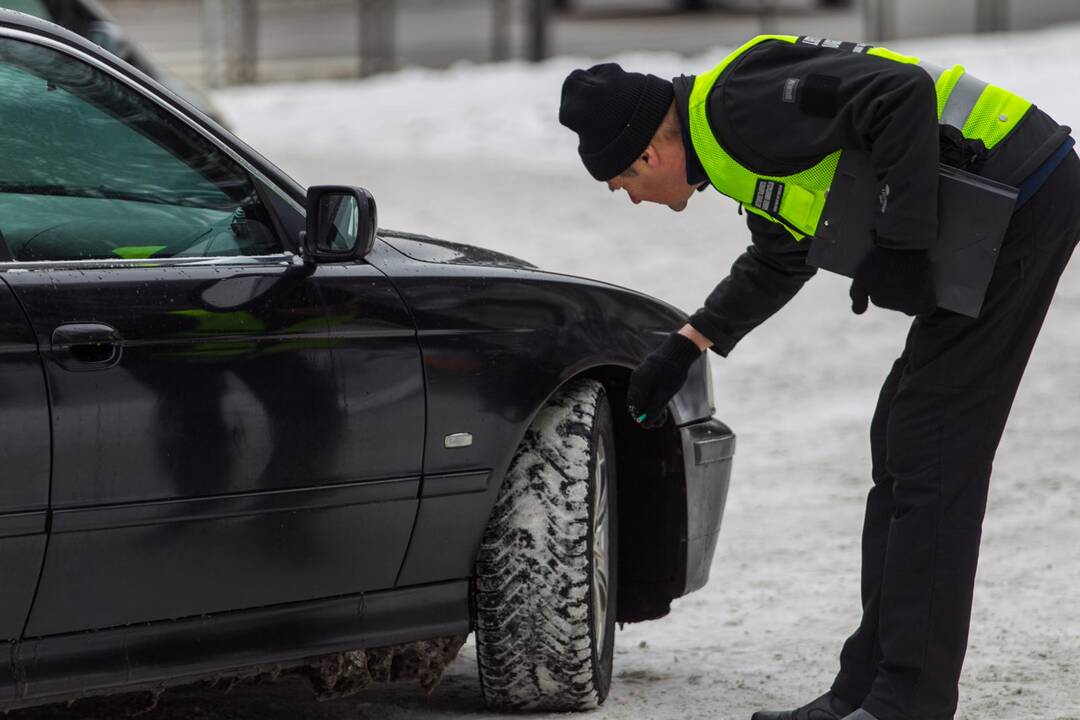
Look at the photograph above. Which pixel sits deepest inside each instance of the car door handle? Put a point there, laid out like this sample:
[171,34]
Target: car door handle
[86,346]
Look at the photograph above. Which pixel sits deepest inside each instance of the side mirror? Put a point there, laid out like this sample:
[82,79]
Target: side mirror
[341,223]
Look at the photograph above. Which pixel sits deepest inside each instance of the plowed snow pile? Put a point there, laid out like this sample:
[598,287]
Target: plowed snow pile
[475,155]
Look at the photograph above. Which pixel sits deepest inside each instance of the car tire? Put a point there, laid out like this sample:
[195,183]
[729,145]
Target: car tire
[545,585]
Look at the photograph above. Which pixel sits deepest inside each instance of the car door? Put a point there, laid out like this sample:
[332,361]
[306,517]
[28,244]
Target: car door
[204,457]
[24,480]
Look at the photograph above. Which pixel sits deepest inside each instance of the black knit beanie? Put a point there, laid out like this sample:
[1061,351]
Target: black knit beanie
[614,113]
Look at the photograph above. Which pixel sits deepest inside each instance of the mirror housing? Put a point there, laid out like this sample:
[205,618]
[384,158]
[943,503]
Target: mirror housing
[341,224]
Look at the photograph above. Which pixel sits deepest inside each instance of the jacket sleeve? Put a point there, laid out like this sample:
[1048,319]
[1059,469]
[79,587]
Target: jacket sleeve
[761,282]
[785,106]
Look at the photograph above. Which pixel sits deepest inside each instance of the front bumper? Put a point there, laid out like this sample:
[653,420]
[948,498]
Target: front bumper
[708,448]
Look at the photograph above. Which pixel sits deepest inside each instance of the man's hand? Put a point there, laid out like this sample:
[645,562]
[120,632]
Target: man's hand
[660,375]
[895,280]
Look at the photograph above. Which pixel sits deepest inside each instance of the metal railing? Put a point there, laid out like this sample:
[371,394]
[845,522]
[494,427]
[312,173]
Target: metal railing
[523,28]
[231,32]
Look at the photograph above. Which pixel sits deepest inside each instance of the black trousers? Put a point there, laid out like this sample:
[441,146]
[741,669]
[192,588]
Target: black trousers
[936,428]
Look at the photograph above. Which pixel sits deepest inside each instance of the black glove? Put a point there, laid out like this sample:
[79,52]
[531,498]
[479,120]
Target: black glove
[895,280]
[659,376]
[959,151]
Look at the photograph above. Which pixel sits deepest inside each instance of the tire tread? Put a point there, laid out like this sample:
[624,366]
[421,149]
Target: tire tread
[533,582]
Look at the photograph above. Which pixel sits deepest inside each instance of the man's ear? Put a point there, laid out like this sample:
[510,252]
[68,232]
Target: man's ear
[650,156]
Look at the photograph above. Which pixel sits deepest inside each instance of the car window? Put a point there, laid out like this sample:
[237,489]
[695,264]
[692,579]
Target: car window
[30,7]
[93,170]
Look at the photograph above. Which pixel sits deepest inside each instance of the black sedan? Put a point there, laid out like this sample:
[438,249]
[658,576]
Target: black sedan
[244,431]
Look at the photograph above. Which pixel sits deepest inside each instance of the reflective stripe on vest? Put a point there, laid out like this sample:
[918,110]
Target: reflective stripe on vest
[979,110]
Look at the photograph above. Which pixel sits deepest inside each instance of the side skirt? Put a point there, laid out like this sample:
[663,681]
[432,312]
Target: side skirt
[156,655]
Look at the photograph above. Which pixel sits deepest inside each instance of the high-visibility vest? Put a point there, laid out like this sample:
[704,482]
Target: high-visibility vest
[979,110]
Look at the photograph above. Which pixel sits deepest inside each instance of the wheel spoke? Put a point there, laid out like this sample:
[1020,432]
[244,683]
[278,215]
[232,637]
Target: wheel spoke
[601,541]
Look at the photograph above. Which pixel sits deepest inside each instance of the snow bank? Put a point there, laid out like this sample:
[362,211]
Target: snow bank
[475,154]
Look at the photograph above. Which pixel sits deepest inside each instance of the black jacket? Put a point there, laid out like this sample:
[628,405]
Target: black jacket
[782,107]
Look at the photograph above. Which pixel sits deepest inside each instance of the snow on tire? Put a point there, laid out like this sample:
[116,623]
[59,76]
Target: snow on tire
[546,571]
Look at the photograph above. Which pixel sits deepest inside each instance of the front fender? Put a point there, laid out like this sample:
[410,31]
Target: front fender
[496,343]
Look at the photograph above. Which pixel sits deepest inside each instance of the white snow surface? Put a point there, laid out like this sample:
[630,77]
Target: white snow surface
[475,154]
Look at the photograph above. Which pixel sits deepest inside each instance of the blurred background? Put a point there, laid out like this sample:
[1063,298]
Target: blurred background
[447,111]
[213,43]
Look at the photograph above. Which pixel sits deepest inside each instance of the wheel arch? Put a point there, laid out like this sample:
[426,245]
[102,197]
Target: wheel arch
[651,506]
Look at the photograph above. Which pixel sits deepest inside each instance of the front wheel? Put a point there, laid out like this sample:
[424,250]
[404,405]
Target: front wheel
[545,588]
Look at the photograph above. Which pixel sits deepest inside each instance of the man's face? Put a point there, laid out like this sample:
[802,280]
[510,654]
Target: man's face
[658,176]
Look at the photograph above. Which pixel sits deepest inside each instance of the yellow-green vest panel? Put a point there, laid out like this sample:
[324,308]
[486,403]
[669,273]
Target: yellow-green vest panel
[979,110]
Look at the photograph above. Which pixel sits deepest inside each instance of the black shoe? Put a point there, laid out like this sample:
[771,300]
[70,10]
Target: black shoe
[826,707]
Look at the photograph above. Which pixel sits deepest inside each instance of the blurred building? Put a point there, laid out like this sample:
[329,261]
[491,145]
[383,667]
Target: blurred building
[228,41]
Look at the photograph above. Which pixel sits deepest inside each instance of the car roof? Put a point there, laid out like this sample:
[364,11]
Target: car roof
[37,26]
[22,21]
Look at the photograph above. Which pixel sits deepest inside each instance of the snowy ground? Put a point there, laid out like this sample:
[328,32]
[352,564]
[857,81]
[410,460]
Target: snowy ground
[475,155]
